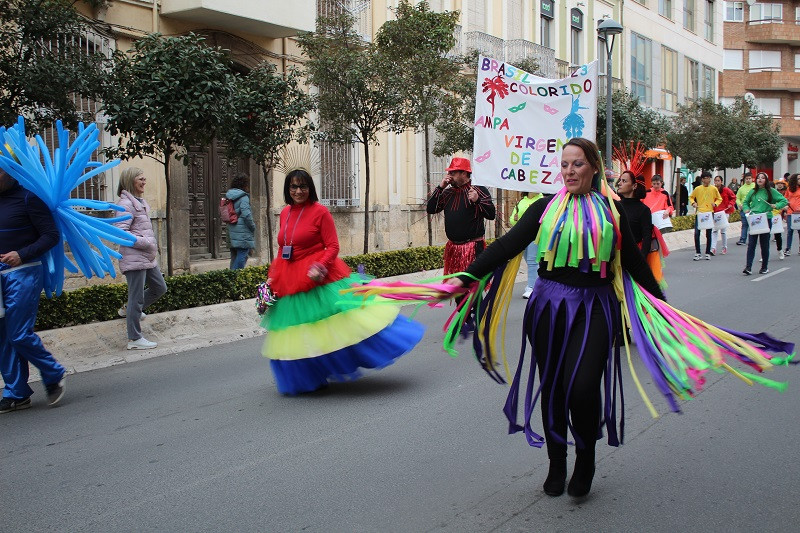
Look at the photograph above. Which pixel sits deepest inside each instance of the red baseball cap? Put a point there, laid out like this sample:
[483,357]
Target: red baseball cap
[459,163]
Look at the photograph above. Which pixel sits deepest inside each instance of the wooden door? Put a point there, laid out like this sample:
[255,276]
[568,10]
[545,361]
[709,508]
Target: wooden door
[210,173]
[200,206]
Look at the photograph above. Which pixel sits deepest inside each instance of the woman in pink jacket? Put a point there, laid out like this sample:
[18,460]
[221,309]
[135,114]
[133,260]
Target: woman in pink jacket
[139,262]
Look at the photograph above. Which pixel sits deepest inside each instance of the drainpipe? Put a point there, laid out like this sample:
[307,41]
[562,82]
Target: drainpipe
[283,54]
[155,16]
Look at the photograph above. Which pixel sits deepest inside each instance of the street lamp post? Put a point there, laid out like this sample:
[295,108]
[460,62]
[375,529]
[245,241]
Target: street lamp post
[608,28]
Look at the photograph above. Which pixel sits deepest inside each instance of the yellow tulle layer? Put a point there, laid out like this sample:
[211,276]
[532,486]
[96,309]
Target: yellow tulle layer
[329,334]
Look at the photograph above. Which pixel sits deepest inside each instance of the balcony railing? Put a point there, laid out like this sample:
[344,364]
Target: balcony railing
[562,69]
[486,44]
[773,31]
[515,50]
[616,84]
[545,58]
[772,81]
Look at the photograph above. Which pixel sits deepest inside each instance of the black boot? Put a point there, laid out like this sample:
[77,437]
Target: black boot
[581,482]
[556,477]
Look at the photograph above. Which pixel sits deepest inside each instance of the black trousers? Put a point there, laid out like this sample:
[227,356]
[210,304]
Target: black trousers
[585,398]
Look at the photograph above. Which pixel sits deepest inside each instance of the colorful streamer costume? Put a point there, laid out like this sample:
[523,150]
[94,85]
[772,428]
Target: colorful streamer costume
[40,223]
[311,339]
[593,284]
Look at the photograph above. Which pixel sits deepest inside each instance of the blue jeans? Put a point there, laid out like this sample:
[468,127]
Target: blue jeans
[763,239]
[790,233]
[19,345]
[239,257]
[530,254]
[745,227]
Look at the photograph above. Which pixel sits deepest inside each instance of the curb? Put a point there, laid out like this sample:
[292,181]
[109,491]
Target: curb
[102,344]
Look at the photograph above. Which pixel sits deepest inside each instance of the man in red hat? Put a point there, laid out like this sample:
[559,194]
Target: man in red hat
[465,208]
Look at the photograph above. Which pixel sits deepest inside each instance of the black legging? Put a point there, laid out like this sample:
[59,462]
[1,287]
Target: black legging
[585,401]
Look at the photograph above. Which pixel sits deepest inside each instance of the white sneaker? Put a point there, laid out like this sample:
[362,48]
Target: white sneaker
[781,255]
[141,344]
[123,312]
[697,257]
[527,293]
[707,257]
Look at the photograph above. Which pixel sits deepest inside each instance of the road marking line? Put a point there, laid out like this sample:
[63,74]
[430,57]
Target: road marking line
[765,276]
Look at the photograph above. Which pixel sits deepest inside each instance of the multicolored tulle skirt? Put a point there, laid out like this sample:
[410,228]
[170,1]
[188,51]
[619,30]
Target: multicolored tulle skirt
[317,336]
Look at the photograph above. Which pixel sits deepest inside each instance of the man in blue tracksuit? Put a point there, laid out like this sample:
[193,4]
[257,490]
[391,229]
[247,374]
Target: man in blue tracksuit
[27,230]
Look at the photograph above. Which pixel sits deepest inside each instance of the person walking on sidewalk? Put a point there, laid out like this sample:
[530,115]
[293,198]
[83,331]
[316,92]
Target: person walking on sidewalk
[727,207]
[28,231]
[793,197]
[681,198]
[704,198]
[242,234]
[531,250]
[761,200]
[741,194]
[465,207]
[139,262]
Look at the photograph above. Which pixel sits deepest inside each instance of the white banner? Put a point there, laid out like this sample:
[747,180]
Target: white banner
[522,121]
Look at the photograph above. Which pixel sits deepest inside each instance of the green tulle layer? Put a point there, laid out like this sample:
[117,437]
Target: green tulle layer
[312,306]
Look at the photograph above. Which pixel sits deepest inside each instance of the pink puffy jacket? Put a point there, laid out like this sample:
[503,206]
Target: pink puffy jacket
[142,255]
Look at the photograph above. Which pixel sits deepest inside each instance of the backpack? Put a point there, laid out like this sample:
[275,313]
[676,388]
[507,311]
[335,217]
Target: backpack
[227,212]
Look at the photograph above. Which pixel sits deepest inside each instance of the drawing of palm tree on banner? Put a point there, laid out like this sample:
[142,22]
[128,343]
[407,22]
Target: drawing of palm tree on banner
[495,87]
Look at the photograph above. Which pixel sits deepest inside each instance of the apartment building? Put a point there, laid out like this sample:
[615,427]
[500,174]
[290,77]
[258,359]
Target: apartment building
[762,63]
[673,55]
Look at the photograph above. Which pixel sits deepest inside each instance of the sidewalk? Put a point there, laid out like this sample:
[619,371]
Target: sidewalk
[103,344]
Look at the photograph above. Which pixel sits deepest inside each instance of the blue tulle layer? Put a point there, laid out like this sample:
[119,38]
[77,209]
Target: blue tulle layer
[377,351]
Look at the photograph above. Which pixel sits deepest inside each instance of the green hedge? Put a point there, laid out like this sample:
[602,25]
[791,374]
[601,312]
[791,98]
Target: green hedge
[397,262]
[101,302]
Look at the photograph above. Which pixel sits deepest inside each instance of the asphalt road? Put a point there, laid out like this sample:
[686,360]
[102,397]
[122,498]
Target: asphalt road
[201,441]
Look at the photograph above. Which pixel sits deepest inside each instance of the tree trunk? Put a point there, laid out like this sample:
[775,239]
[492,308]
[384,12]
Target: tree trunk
[366,198]
[268,184]
[167,157]
[428,181]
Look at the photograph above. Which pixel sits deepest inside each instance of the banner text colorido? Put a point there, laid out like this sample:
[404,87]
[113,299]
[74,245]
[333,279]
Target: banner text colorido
[522,121]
